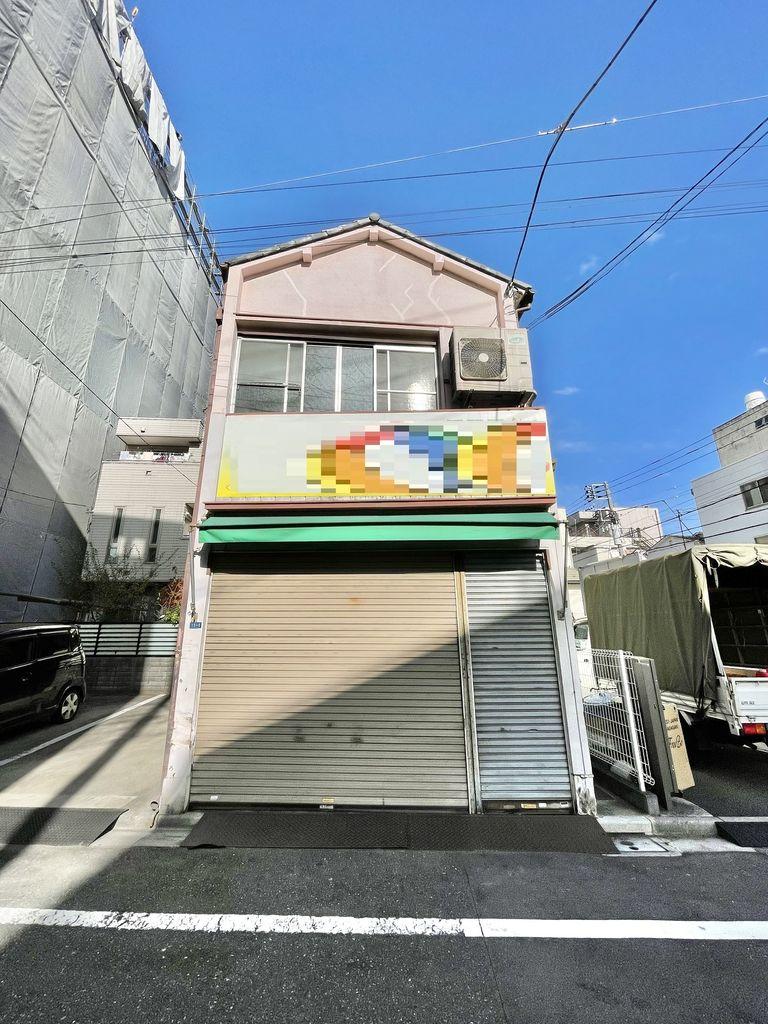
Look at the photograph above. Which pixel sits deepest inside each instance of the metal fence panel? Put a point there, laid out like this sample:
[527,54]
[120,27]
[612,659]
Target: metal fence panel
[614,719]
[128,639]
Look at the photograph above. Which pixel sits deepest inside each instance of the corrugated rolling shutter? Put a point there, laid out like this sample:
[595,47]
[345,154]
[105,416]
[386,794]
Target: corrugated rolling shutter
[332,678]
[520,736]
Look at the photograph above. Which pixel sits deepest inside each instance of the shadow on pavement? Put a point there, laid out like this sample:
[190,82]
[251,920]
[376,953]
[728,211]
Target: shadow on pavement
[22,833]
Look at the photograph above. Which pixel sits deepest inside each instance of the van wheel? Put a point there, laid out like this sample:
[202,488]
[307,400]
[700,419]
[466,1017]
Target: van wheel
[68,706]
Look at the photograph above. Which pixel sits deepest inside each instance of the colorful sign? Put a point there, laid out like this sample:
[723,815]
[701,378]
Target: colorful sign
[448,453]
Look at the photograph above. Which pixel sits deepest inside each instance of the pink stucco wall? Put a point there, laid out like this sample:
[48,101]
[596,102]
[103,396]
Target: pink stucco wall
[369,281]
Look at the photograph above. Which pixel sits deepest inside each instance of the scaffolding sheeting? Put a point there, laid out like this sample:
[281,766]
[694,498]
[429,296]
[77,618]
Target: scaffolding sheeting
[103,264]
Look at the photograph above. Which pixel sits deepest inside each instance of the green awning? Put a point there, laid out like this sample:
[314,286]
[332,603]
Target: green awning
[397,527]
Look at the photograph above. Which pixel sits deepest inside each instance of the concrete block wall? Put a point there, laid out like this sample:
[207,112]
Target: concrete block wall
[119,676]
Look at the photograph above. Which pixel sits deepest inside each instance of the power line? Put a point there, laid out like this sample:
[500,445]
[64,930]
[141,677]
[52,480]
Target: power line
[707,444]
[738,152]
[714,522]
[561,129]
[723,494]
[405,216]
[609,122]
[150,203]
[236,246]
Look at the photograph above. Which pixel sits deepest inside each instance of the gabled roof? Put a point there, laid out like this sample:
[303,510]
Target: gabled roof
[524,292]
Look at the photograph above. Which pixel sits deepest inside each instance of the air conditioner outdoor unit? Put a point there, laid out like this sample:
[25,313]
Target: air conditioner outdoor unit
[491,366]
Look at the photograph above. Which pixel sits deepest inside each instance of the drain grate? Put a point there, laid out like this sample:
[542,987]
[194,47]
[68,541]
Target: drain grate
[55,826]
[395,830]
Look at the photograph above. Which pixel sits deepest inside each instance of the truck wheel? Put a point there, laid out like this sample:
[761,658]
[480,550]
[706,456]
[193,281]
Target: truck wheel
[68,706]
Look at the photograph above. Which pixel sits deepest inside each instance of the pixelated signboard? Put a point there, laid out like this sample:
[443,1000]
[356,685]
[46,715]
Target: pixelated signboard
[460,454]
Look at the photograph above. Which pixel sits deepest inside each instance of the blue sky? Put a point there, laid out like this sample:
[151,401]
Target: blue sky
[647,361]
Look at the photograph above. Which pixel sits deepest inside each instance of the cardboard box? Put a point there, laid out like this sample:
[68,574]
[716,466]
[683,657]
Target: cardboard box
[681,766]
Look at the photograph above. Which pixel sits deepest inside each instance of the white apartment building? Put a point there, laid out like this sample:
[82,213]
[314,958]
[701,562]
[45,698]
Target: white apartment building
[145,497]
[732,501]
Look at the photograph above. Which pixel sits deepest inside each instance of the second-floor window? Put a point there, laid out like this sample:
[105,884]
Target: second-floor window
[295,376]
[755,493]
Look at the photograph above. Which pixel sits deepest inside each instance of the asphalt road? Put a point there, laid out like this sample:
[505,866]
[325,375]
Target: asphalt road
[731,781]
[167,976]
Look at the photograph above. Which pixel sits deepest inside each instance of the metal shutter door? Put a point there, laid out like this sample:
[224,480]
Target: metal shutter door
[520,737]
[332,678]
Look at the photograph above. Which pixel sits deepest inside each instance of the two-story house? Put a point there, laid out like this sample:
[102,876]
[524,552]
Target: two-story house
[375,615]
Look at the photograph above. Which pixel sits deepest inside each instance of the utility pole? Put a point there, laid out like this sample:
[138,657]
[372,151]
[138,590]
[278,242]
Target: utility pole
[601,490]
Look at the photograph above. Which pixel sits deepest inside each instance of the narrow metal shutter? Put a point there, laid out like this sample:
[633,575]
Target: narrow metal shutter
[520,736]
[332,678]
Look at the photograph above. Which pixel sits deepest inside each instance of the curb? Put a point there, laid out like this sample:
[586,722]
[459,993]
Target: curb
[667,826]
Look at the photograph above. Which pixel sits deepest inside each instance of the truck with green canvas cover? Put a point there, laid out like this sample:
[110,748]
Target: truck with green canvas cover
[702,615]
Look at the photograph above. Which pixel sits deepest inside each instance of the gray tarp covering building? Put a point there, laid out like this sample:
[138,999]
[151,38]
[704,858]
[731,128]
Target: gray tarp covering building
[660,609]
[95,265]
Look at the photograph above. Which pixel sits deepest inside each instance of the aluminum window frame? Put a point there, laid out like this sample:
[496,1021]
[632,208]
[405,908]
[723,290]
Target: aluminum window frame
[115,532]
[187,522]
[153,540]
[397,391]
[761,486]
[374,346]
[285,386]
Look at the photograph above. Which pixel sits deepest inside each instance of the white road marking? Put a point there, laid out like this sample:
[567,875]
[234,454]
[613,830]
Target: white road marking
[83,728]
[466,927]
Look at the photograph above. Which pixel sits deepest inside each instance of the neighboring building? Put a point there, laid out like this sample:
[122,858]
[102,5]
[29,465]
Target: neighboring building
[673,544]
[145,498]
[376,613]
[108,285]
[732,501]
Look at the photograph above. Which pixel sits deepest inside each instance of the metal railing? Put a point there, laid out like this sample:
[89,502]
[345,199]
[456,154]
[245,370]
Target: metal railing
[614,719]
[128,639]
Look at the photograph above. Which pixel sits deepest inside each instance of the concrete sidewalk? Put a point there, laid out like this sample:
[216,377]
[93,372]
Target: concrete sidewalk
[685,820]
[111,755]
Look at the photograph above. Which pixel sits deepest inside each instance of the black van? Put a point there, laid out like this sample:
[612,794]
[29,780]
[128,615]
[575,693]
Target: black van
[42,672]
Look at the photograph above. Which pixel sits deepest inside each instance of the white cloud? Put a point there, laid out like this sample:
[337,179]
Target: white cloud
[762,351]
[571,390]
[572,446]
[656,237]
[588,264]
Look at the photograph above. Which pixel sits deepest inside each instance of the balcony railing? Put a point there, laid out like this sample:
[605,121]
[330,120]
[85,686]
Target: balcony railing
[153,456]
[447,454]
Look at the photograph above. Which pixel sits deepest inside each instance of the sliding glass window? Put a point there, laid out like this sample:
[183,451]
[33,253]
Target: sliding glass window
[293,376]
[269,375]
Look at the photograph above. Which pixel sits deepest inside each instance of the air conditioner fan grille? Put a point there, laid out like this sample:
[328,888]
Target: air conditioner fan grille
[483,359]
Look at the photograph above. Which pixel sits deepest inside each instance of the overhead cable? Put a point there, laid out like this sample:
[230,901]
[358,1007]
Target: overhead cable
[561,129]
